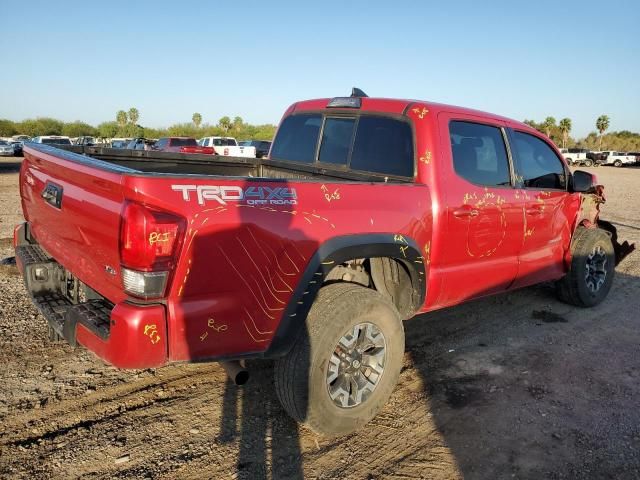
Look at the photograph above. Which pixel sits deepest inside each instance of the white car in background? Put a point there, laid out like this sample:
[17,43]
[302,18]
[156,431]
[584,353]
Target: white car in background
[6,149]
[227,146]
[576,156]
[617,159]
[52,140]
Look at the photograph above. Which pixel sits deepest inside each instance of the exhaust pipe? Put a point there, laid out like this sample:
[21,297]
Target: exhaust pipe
[236,372]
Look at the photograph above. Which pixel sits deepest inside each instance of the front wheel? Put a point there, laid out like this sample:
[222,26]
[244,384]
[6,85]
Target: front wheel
[592,268]
[617,163]
[345,363]
[588,163]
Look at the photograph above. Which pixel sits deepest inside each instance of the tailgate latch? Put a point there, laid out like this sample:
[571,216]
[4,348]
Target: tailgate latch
[52,194]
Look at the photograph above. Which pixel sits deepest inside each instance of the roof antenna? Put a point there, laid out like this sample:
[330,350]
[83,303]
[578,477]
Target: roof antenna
[356,92]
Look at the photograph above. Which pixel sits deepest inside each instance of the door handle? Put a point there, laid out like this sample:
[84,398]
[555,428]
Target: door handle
[466,212]
[537,210]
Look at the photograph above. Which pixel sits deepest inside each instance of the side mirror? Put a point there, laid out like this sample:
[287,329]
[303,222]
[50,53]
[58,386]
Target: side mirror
[583,182]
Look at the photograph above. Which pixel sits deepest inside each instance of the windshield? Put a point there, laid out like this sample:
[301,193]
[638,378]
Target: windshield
[3,143]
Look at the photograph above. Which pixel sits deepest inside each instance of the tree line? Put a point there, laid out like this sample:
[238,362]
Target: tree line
[559,133]
[126,125]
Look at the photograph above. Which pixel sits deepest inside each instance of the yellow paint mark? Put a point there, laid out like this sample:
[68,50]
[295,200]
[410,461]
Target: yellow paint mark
[328,262]
[157,237]
[211,323]
[204,335]
[151,331]
[328,195]
[400,239]
[403,250]
[426,158]
[420,112]
[307,219]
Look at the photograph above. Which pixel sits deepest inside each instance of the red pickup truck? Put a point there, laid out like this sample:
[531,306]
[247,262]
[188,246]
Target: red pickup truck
[368,212]
[181,145]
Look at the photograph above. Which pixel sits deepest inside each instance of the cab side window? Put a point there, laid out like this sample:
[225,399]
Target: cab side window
[479,153]
[536,164]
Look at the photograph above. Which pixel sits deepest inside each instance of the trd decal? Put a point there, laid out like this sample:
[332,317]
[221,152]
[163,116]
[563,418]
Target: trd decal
[250,195]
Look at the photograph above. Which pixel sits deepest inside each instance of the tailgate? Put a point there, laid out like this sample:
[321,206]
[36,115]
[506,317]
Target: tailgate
[73,203]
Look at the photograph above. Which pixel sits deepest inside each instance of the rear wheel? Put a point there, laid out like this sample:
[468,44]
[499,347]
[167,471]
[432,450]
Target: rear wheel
[345,364]
[588,162]
[592,268]
[617,163]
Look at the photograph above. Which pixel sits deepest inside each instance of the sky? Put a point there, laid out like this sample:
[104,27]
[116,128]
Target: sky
[83,60]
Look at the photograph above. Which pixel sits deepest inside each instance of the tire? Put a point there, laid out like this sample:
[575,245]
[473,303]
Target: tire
[588,163]
[592,269]
[302,376]
[617,163]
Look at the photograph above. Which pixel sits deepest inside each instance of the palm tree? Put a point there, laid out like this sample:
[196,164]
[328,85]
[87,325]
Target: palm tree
[134,115]
[548,124]
[225,124]
[602,123]
[197,119]
[565,128]
[121,118]
[237,123]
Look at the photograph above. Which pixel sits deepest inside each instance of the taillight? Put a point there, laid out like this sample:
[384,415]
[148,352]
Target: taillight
[149,243]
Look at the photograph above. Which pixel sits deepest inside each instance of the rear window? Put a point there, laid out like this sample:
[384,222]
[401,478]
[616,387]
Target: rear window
[56,141]
[184,142]
[367,143]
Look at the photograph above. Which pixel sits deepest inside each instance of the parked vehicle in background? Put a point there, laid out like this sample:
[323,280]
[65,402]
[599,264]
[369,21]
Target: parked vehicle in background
[17,148]
[21,138]
[6,149]
[368,212]
[120,142]
[576,156]
[181,145]
[52,140]
[635,154]
[227,146]
[262,146]
[88,141]
[618,159]
[141,144]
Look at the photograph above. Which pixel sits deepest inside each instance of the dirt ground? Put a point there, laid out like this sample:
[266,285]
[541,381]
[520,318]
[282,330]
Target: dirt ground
[515,386]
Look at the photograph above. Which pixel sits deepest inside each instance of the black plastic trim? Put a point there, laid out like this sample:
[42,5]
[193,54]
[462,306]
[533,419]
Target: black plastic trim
[332,253]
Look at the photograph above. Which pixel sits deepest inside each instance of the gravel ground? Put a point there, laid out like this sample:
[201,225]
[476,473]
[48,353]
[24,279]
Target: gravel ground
[514,386]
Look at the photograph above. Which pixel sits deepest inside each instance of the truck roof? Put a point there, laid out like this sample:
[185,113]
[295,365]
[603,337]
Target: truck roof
[401,106]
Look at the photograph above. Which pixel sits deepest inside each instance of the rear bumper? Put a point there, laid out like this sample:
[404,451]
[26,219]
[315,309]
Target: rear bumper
[125,335]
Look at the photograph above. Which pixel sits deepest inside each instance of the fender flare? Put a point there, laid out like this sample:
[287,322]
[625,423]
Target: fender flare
[333,252]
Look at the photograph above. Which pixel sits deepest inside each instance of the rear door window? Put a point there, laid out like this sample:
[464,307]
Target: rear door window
[383,145]
[479,153]
[297,138]
[536,164]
